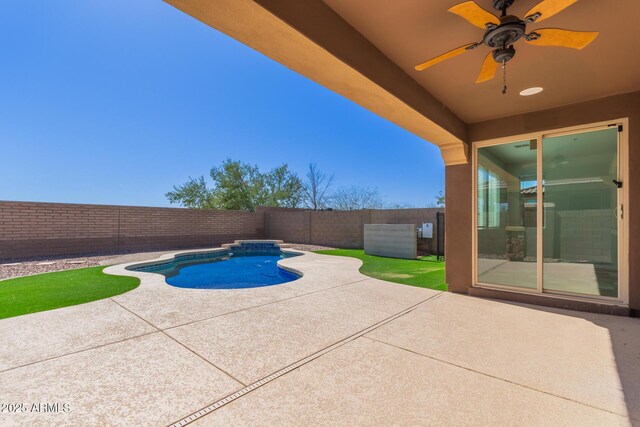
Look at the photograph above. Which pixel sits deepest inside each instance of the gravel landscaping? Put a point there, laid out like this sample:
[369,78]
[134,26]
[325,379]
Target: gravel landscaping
[36,265]
[28,266]
[310,248]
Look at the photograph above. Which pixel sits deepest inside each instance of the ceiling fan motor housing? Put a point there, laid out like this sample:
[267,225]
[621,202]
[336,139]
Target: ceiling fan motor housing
[510,30]
[503,55]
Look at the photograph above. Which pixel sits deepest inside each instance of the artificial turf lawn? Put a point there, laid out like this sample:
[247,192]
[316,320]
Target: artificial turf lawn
[47,291]
[424,272]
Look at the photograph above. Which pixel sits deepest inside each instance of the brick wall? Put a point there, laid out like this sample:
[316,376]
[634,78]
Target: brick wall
[343,229]
[291,225]
[46,229]
[43,229]
[405,216]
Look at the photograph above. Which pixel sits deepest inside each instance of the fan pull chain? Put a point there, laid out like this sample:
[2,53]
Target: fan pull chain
[504,77]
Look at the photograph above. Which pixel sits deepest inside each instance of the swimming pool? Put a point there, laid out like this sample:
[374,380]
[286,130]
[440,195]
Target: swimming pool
[239,266]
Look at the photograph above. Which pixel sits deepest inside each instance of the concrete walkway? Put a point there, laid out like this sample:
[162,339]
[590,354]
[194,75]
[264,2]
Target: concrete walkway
[334,347]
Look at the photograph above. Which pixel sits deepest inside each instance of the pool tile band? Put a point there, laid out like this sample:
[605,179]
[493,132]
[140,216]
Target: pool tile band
[236,249]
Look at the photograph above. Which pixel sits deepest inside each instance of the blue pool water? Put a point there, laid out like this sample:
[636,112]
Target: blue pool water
[247,264]
[232,273]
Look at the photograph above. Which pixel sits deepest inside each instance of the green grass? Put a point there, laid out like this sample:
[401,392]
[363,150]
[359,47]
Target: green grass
[41,292]
[424,272]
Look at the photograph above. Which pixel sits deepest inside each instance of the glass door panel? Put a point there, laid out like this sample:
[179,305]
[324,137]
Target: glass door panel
[506,209]
[580,233]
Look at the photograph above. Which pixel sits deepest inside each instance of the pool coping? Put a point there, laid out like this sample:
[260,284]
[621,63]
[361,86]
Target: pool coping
[152,278]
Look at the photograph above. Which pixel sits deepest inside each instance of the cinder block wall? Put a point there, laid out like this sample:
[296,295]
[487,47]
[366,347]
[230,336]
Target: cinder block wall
[46,229]
[290,225]
[405,216]
[343,229]
[32,229]
[145,228]
[49,229]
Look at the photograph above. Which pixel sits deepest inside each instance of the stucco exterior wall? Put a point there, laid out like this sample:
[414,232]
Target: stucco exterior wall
[459,179]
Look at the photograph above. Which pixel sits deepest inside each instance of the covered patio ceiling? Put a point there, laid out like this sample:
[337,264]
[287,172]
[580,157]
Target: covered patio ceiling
[412,31]
[366,50]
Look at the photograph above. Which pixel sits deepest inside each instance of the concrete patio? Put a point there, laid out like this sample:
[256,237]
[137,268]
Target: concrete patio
[334,347]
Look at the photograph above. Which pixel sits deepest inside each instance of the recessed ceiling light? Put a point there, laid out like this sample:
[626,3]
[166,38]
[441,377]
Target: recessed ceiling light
[531,91]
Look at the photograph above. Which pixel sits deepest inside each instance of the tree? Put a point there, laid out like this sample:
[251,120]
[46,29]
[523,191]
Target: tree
[240,186]
[284,188]
[193,194]
[237,186]
[315,188]
[354,198]
[440,199]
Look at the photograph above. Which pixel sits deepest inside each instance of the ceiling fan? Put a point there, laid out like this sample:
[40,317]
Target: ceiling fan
[501,34]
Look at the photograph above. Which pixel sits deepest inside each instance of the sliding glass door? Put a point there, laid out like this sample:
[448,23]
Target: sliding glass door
[580,209]
[507,177]
[548,213]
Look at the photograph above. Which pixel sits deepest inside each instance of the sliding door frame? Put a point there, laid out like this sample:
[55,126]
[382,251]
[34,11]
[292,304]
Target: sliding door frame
[622,209]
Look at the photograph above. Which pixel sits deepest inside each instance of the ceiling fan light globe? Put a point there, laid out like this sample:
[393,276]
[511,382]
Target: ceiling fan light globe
[504,55]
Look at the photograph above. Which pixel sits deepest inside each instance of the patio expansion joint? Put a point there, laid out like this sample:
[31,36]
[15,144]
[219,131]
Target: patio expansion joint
[262,305]
[158,329]
[181,344]
[71,353]
[628,416]
[287,369]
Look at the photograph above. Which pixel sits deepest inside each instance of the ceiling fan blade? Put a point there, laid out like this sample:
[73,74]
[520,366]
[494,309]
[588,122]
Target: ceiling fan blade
[489,68]
[450,54]
[548,8]
[476,15]
[563,38]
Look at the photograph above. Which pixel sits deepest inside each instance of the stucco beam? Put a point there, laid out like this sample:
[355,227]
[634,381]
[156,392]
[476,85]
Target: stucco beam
[310,38]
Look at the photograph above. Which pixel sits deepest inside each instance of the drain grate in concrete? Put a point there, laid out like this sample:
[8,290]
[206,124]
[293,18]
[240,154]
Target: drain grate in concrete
[248,389]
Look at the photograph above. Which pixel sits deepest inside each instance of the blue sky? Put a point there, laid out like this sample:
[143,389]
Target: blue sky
[116,101]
